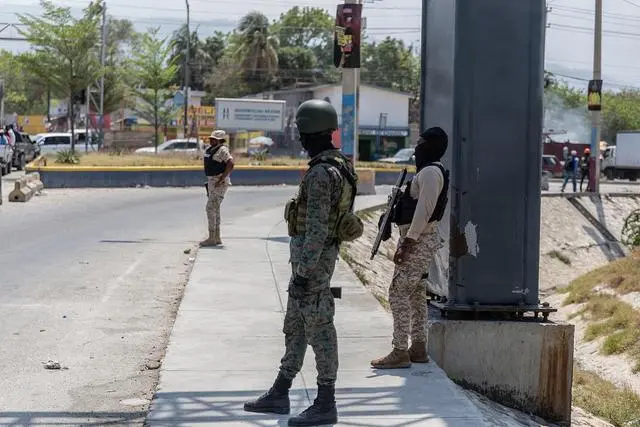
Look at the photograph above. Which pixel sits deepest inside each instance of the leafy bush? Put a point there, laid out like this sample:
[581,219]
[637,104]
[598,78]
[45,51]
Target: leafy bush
[631,230]
[67,157]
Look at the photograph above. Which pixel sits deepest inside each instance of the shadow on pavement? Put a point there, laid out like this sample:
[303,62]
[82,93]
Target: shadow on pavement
[356,407]
[62,418]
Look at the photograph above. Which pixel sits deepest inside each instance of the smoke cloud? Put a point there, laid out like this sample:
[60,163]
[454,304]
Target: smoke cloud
[558,117]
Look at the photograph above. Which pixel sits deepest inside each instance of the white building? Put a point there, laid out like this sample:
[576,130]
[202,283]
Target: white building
[383,120]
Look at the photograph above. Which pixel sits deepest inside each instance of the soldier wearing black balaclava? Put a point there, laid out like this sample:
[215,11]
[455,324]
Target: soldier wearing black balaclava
[417,215]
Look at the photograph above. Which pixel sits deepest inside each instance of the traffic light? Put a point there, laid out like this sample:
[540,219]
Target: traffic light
[80,97]
[346,42]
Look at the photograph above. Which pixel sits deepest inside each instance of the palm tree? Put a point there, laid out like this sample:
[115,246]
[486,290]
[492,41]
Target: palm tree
[257,50]
[199,60]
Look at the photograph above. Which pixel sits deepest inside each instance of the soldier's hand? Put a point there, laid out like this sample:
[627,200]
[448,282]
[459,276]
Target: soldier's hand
[403,251]
[298,286]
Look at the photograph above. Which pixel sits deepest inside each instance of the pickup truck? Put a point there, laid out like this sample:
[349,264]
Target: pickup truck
[25,151]
[6,157]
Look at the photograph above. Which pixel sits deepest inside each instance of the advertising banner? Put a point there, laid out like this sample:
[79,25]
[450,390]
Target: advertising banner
[250,114]
[347,139]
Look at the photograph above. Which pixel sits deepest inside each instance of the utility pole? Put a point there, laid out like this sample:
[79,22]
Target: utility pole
[596,115]
[86,119]
[186,73]
[351,99]
[103,52]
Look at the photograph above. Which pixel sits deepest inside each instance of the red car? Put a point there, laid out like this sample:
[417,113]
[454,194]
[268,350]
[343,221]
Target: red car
[551,164]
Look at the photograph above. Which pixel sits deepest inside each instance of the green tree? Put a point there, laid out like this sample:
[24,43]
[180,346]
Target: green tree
[256,51]
[121,37]
[154,71]
[620,112]
[305,38]
[24,94]
[65,49]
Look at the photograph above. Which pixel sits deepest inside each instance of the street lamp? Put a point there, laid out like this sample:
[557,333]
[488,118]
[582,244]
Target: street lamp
[186,72]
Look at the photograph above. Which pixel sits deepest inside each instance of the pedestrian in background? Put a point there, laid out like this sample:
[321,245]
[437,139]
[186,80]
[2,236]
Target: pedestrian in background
[584,167]
[317,221]
[571,167]
[218,164]
[418,213]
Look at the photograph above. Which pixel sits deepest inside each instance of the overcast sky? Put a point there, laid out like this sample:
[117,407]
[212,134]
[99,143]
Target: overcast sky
[569,44]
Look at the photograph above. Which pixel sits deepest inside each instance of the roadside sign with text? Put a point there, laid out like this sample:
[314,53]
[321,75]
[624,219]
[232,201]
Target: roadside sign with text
[250,114]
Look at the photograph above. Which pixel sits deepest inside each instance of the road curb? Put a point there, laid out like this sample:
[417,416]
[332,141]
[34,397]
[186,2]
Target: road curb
[184,176]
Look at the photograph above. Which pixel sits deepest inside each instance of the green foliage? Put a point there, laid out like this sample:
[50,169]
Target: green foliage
[153,72]
[24,93]
[620,109]
[69,157]
[631,230]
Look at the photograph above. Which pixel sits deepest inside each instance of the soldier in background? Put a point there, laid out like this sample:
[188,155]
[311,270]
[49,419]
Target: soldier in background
[318,219]
[218,164]
[418,213]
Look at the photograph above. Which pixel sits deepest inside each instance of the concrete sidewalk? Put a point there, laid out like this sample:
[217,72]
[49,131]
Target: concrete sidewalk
[227,342]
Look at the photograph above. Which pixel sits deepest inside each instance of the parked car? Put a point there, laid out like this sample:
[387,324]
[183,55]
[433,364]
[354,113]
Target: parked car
[25,151]
[404,156]
[551,164]
[51,143]
[173,146]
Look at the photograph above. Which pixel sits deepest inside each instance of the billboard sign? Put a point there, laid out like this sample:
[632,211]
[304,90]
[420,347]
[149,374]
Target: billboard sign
[346,40]
[250,114]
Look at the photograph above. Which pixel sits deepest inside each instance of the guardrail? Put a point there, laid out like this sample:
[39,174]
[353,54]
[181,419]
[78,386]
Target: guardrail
[26,187]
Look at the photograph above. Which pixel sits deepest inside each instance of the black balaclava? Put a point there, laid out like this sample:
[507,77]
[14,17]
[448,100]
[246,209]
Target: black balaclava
[316,143]
[432,147]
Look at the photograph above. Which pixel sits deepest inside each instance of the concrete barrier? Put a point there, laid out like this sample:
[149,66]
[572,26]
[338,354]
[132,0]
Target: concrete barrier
[524,365]
[366,182]
[183,176]
[26,187]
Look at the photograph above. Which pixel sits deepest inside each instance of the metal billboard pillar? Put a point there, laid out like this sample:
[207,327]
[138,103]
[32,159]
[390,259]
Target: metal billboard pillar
[483,72]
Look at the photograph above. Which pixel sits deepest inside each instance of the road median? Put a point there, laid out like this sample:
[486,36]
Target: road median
[75,176]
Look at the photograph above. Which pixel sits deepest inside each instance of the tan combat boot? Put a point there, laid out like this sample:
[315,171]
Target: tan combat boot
[418,352]
[210,241]
[397,359]
[216,238]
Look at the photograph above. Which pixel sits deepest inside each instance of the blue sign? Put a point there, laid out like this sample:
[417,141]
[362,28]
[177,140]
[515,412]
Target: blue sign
[347,137]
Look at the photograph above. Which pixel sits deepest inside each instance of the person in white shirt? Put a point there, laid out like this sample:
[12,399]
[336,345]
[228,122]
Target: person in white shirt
[417,215]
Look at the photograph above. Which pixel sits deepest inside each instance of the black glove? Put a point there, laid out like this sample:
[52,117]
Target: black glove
[386,234]
[298,286]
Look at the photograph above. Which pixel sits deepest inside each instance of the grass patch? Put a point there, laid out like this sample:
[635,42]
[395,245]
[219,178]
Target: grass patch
[560,257]
[621,407]
[622,275]
[177,159]
[383,302]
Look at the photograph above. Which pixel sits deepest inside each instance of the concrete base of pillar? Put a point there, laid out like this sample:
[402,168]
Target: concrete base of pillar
[524,365]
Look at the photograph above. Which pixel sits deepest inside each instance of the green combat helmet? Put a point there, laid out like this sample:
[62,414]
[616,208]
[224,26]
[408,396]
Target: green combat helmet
[315,116]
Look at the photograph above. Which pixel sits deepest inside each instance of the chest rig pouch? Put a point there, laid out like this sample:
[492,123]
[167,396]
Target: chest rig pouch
[346,226]
[213,167]
[406,207]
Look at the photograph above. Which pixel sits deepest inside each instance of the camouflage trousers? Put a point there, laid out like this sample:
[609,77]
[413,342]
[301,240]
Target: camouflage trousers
[408,293]
[309,321]
[214,202]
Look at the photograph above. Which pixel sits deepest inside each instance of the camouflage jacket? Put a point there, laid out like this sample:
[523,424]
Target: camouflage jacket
[321,188]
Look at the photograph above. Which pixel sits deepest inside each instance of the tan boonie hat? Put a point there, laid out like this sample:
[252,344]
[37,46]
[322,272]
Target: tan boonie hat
[218,134]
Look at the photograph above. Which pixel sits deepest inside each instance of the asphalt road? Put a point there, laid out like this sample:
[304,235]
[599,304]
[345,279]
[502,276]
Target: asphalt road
[92,279]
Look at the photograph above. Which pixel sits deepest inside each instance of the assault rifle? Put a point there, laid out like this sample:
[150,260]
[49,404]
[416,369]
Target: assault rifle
[386,218]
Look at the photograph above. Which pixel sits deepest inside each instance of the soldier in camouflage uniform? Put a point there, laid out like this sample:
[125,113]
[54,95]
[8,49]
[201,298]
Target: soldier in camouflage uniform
[312,218]
[420,209]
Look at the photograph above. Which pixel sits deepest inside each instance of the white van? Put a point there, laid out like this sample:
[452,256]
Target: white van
[51,143]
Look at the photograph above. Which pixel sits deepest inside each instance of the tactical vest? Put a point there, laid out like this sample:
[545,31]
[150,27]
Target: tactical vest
[296,209]
[213,167]
[406,206]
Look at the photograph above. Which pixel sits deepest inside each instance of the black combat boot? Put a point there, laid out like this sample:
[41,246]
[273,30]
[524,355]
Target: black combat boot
[275,401]
[323,411]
